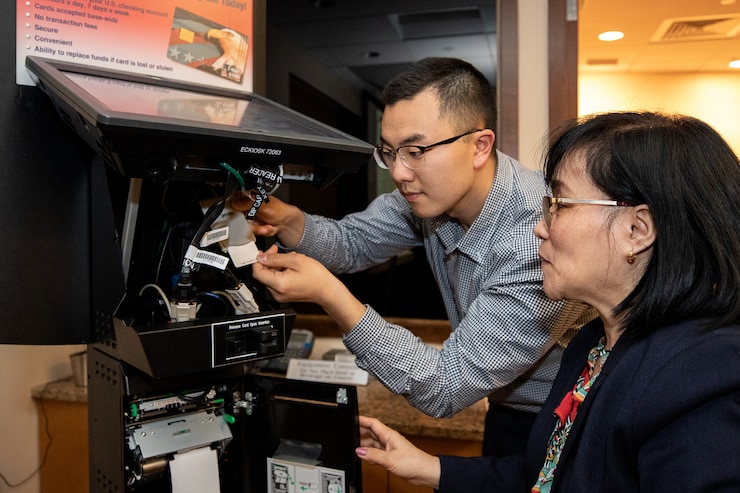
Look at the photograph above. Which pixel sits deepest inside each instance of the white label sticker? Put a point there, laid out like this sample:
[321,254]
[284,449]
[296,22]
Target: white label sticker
[214,236]
[245,254]
[206,258]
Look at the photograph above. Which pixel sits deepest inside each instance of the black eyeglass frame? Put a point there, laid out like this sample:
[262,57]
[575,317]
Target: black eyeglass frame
[378,152]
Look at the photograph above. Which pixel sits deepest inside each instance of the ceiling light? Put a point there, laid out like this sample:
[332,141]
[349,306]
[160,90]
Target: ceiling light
[735,63]
[611,35]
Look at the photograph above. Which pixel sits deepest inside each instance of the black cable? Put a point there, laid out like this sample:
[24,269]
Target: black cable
[210,216]
[214,211]
[46,449]
[214,296]
[166,249]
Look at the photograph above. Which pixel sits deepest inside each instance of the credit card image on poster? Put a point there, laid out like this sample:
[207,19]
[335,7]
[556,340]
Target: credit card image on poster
[205,45]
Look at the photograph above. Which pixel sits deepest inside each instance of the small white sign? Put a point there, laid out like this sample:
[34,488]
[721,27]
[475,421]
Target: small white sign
[326,371]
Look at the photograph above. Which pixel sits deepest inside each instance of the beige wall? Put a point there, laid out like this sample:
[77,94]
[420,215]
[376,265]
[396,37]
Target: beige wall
[21,369]
[534,98]
[714,98]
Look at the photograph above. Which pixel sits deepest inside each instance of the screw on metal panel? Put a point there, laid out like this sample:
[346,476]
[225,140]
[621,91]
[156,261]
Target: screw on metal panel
[342,396]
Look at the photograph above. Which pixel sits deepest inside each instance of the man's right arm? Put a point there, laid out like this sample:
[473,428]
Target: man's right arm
[361,239]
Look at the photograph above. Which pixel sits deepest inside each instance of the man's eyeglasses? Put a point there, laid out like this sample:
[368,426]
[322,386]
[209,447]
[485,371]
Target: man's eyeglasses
[549,202]
[412,156]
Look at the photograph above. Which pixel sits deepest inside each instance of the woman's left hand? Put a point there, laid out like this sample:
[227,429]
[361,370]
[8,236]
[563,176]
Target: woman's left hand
[385,446]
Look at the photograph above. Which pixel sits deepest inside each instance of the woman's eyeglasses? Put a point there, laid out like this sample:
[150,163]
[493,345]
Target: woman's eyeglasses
[549,202]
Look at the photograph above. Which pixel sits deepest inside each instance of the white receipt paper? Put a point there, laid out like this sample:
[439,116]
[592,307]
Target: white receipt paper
[195,471]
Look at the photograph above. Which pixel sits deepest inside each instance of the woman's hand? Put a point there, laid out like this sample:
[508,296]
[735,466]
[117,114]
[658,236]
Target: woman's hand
[385,446]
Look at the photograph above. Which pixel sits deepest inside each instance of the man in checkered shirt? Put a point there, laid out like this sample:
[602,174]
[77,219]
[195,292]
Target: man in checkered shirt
[473,209]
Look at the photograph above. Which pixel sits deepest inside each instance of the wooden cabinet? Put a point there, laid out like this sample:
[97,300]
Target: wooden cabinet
[63,443]
[66,465]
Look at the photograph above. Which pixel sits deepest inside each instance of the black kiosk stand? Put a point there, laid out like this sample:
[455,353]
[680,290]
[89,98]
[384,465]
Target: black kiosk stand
[175,404]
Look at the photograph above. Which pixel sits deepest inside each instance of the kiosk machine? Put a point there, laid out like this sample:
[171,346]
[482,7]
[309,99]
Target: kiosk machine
[175,404]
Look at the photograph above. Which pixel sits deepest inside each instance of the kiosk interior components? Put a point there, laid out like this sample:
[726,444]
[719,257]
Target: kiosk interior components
[177,319]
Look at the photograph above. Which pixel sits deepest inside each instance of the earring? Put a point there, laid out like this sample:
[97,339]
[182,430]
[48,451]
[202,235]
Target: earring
[631,257]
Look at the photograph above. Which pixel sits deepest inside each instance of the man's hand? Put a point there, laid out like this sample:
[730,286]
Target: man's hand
[293,277]
[274,218]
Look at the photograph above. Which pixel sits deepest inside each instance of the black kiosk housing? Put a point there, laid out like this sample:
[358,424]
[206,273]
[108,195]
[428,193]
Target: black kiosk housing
[159,389]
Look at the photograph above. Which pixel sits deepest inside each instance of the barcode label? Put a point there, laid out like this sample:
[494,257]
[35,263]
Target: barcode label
[206,258]
[214,236]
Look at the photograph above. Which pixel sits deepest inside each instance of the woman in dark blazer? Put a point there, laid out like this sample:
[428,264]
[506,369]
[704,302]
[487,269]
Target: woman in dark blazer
[644,225]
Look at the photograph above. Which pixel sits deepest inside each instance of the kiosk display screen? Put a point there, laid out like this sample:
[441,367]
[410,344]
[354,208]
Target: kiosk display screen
[144,126]
[193,108]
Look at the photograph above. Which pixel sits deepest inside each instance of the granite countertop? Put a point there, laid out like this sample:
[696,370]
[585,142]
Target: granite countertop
[60,390]
[378,402]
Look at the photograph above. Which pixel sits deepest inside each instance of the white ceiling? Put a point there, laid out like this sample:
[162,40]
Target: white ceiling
[704,37]
[399,32]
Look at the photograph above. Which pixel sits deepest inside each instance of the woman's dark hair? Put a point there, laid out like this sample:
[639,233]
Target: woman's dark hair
[690,179]
[466,97]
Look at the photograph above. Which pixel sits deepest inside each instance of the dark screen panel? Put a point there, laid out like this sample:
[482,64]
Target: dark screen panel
[172,130]
[44,180]
[164,103]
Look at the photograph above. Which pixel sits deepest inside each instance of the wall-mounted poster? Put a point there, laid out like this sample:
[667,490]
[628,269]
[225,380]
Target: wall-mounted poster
[200,41]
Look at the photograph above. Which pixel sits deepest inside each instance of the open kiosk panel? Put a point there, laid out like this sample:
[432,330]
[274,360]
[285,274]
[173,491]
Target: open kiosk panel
[179,142]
